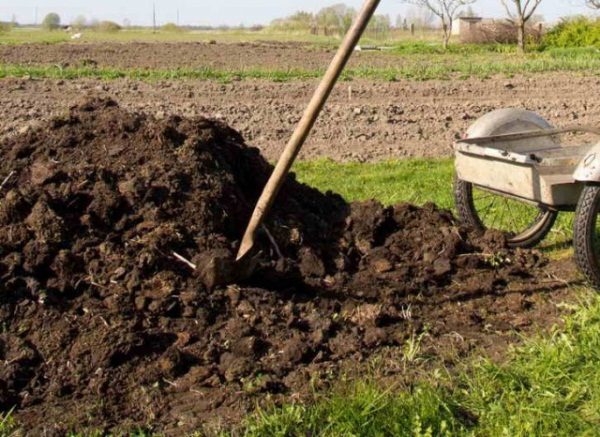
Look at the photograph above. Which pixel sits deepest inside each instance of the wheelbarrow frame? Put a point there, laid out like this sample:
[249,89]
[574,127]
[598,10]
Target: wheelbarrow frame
[538,175]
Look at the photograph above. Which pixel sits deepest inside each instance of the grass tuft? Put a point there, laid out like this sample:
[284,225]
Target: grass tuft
[364,409]
[7,424]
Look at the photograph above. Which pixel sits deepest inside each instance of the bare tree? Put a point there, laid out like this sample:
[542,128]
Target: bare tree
[446,10]
[519,15]
[594,4]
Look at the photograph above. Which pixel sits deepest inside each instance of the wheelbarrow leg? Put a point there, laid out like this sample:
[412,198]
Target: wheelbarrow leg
[303,129]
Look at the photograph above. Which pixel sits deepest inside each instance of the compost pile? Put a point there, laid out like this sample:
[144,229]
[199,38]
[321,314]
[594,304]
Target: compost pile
[120,301]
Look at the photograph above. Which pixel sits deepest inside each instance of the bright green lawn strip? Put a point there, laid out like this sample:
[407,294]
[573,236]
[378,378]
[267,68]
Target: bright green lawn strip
[411,180]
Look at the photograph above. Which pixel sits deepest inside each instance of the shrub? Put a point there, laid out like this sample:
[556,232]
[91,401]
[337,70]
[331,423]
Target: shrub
[51,21]
[574,32]
[107,26]
[170,27]
[5,27]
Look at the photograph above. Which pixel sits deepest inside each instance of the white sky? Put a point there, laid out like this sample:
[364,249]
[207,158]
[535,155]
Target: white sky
[230,12]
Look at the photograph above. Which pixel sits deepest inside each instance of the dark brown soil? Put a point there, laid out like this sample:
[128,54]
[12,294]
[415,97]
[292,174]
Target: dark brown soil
[106,326]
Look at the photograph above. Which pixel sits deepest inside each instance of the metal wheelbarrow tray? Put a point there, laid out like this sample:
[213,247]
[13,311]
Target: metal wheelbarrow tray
[516,156]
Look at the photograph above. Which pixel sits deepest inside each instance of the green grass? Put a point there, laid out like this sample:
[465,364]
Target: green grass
[39,36]
[549,386]
[206,73]
[363,409]
[411,180]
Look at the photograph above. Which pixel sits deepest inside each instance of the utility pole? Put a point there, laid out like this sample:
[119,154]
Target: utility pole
[177,17]
[153,17]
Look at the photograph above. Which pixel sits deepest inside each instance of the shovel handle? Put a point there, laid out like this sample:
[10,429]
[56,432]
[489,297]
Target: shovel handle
[306,124]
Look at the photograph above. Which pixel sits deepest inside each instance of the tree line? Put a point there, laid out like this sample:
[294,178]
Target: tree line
[426,14]
[329,21]
[337,19]
[52,21]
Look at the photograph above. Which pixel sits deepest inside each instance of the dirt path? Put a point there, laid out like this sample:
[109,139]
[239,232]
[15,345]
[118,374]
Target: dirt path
[364,121]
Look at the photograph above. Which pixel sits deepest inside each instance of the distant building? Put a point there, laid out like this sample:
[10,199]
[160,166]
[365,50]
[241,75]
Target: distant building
[465,25]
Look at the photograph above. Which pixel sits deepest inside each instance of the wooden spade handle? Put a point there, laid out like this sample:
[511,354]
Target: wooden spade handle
[306,124]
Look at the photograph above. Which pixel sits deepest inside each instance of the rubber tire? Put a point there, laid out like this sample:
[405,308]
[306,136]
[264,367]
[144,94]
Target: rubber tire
[463,200]
[583,234]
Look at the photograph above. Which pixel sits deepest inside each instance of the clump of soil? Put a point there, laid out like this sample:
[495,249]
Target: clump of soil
[107,324]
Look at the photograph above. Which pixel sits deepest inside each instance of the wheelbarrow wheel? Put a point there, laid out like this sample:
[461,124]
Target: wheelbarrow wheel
[586,234]
[524,224]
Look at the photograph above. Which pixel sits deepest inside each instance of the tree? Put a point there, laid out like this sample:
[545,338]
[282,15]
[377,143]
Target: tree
[594,4]
[519,15]
[446,10]
[79,22]
[379,26]
[170,27]
[298,22]
[399,19]
[51,21]
[337,18]
[107,26]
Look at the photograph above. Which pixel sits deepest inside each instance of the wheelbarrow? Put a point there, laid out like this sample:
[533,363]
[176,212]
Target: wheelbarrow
[514,174]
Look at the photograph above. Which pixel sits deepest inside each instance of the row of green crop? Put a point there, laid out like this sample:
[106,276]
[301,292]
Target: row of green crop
[423,68]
